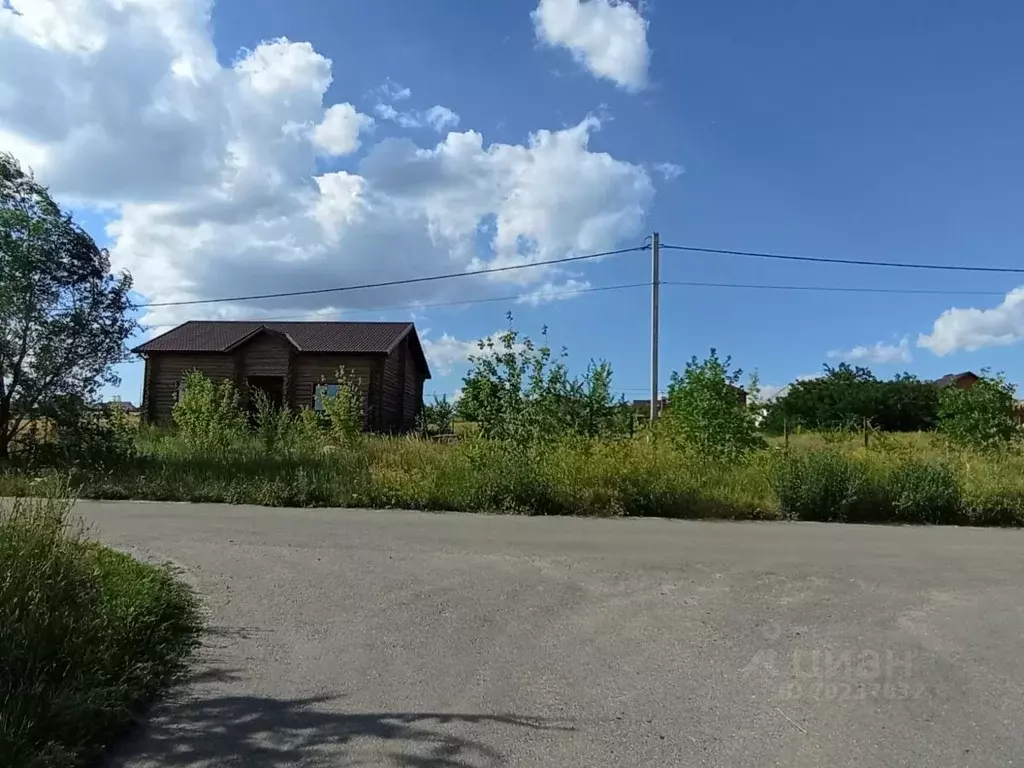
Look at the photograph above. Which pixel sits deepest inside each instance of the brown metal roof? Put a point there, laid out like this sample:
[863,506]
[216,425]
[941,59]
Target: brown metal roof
[952,378]
[312,337]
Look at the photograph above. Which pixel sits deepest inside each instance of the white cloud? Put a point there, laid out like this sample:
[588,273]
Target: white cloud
[209,172]
[448,352]
[669,171]
[553,292]
[972,329]
[608,37]
[437,117]
[338,133]
[879,353]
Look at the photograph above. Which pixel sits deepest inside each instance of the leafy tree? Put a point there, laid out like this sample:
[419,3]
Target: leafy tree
[518,390]
[981,417]
[846,396]
[705,411]
[64,319]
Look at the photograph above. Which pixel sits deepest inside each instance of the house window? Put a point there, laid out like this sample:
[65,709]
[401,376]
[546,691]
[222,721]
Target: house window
[321,390]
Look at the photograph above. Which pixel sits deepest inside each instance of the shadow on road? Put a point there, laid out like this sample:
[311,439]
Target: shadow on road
[201,731]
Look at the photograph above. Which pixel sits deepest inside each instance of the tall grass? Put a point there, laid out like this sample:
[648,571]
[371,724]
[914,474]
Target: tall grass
[86,634]
[905,479]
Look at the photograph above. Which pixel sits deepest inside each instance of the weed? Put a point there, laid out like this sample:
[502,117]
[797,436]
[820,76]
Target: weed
[87,634]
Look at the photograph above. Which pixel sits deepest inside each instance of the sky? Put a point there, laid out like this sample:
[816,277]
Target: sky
[245,147]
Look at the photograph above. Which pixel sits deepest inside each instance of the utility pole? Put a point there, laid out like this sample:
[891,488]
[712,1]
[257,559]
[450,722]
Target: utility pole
[655,297]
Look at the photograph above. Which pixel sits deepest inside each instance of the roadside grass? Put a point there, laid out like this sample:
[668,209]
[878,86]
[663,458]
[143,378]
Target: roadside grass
[897,479]
[87,634]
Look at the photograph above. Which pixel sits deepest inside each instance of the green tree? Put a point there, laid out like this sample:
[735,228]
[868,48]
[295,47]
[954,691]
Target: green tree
[516,389]
[64,319]
[845,396]
[981,417]
[706,413]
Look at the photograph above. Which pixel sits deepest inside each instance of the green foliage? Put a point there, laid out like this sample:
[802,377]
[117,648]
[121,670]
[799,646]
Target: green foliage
[345,409]
[64,319]
[923,492]
[87,635]
[437,418]
[705,412]
[823,485]
[208,415]
[835,487]
[909,479]
[847,397]
[981,417]
[283,432]
[518,390]
[87,436]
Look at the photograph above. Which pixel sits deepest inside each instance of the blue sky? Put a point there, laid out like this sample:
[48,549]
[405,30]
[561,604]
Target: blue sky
[843,130]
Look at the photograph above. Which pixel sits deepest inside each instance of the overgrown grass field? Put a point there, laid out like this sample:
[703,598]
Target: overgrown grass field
[86,635]
[912,478]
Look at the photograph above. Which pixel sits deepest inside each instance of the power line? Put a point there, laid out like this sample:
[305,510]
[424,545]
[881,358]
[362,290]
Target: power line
[512,297]
[856,262]
[391,283]
[834,288]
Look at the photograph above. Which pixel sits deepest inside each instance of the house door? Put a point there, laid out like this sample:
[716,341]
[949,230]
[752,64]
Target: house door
[271,386]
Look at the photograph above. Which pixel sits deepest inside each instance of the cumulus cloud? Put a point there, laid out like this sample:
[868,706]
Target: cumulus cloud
[972,329]
[444,353]
[208,172]
[449,352]
[608,37]
[879,353]
[338,133]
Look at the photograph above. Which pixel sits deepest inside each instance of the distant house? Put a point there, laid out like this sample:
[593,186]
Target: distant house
[292,364]
[963,380]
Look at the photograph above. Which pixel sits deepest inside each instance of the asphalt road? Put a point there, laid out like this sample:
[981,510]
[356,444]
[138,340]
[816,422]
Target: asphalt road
[352,638]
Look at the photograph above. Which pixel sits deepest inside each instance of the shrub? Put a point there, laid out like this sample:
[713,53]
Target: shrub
[922,492]
[981,417]
[208,414]
[87,634]
[86,436]
[821,485]
[704,411]
[344,409]
[437,418]
[828,485]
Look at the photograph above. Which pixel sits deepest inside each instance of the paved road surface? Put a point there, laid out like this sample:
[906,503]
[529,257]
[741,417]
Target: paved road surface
[352,638]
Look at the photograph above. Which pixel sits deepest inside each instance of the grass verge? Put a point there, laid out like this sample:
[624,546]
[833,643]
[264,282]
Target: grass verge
[87,635]
[902,479]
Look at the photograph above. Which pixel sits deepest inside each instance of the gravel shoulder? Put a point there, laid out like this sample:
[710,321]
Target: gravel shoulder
[353,637]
